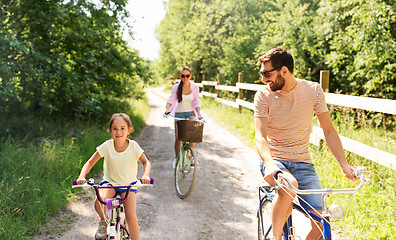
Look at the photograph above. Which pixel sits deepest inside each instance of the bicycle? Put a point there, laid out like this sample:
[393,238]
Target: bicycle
[116,224]
[264,212]
[186,167]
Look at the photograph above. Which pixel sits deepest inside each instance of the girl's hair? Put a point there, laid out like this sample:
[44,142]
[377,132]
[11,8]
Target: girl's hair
[180,87]
[123,116]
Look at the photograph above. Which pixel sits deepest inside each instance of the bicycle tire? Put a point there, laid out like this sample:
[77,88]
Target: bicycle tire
[123,230]
[264,219]
[185,175]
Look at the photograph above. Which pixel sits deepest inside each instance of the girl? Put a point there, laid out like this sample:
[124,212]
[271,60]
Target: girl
[183,103]
[119,169]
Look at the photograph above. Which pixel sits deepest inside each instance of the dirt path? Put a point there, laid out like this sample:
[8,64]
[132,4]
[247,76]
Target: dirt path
[223,204]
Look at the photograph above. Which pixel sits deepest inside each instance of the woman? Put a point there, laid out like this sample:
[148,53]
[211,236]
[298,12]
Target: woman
[183,102]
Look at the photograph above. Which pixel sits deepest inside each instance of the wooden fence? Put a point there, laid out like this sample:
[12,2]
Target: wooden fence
[365,103]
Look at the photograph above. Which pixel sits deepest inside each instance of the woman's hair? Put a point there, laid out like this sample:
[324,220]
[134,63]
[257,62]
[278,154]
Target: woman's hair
[180,87]
[123,116]
[278,57]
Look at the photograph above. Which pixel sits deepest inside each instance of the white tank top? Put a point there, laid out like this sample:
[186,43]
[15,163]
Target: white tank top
[186,104]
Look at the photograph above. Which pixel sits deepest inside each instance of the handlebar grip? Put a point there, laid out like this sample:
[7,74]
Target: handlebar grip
[276,175]
[151,181]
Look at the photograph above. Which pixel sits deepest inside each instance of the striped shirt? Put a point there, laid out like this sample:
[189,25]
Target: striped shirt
[289,115]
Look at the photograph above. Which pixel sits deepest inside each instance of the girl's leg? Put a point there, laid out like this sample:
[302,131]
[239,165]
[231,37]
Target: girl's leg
[131,217]
[105,193]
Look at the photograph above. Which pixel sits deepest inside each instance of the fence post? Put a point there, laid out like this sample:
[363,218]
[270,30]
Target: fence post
[240,93]
[324,80]
[218,83]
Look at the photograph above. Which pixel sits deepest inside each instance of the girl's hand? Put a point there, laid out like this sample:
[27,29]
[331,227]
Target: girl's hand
[145,180]
[81,181]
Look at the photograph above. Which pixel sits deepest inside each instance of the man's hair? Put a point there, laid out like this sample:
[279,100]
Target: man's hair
[278,57]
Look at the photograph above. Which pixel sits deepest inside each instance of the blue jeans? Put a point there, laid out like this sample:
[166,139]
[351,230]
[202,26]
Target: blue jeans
[306,177]
[185,114]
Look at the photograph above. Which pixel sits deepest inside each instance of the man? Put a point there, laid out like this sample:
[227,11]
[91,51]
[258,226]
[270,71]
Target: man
[283,115]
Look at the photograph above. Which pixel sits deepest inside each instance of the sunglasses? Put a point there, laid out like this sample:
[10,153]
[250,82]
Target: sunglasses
[185,76]
[266,73]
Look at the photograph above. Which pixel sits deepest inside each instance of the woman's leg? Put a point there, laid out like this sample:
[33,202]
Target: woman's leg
[177,143]
[131,217]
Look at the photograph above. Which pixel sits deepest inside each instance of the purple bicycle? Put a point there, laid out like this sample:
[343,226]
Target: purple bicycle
[116,224]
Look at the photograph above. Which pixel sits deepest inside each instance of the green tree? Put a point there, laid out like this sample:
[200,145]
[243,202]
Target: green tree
[66,57]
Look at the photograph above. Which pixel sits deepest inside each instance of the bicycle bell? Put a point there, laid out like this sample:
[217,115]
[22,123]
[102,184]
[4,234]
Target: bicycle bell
[336,211]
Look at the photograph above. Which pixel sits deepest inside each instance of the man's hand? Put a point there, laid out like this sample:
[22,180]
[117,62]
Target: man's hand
[349,172]
[270,170]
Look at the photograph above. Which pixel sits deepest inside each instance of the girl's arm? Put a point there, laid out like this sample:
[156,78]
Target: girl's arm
[87,167]
[146,169]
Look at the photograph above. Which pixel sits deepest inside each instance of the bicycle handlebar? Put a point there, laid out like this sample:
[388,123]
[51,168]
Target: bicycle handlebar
[178,119]
[90,183]
[359,172]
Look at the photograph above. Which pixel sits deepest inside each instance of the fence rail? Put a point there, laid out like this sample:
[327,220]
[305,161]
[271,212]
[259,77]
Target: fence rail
[365,103]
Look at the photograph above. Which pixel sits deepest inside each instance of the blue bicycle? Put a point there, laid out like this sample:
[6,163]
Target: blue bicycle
[267,193]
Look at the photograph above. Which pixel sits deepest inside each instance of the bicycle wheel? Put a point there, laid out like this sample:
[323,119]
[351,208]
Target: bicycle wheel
[185,174]
[123,230]
[264,217]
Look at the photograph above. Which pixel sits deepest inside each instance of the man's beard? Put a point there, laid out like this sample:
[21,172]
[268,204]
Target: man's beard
[278,83]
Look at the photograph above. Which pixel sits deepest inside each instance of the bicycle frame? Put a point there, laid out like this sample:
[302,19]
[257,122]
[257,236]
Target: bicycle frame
[114,204]
[324,220]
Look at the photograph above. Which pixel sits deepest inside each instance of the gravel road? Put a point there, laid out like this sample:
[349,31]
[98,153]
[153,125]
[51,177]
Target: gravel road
[222,205]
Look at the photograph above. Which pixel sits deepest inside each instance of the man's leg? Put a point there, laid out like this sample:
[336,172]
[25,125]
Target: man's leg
[282,206]
[317,227]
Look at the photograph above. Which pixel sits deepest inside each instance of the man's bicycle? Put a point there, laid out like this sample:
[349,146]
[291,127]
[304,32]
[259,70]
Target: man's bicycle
[186,168]
[267,193]
[116,224]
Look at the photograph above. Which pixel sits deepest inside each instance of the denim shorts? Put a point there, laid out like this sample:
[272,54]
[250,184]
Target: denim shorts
[185,114]
[118,190]
[306,177]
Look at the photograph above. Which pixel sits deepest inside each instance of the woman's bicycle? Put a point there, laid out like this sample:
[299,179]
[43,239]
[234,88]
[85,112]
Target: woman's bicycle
[186,168]
[116,224]
[267,193]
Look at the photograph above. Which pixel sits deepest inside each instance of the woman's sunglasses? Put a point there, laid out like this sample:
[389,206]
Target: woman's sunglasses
[185,76]
[266,73]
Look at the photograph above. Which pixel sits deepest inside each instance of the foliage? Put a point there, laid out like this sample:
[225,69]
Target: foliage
[353,39]
[36,176]
[65,58]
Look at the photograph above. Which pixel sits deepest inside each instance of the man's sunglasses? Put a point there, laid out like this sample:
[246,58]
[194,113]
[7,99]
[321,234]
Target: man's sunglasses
[185,76]
[266,73]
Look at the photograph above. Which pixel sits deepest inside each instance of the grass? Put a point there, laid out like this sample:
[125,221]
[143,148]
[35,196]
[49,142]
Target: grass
[372,213]
[36,173]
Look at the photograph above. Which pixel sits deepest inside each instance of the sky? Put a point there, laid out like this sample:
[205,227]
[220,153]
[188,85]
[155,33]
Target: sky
[146,14]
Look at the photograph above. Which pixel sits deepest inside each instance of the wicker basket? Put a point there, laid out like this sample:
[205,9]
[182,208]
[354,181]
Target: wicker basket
[189,130]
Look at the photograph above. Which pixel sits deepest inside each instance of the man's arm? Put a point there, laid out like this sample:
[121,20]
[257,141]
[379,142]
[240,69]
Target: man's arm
[334,143]
[261,127]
